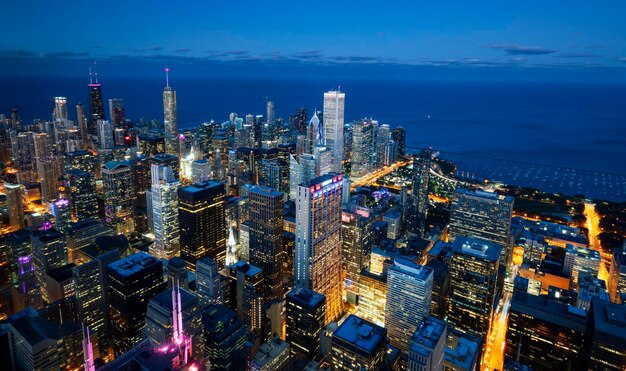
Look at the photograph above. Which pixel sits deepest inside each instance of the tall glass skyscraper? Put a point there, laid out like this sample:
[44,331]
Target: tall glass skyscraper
[170,118]
[96,105]
[164,192]
[421,179]
[317,262]
[409,289]
[118,196]
[334,103]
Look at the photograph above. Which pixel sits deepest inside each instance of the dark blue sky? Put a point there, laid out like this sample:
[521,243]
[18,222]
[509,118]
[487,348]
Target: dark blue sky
[571,39]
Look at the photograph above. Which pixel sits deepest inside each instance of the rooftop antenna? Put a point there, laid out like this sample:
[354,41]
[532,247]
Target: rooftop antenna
[95,70]
[167,77]
[90,76]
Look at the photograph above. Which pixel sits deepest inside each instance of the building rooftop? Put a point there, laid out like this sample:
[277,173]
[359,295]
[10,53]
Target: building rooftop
[323,180]
[133,264]
[306,297]
[462,349]
[393,214]
[270,350]
[62,273]
[609,322]
[164,299]
[484,194]
[427,335]
[115,165]
[545,309]
[47,235]
[208,186]
[582,252]
[406,265]
[477,247]
[267,191]
[360,333]
[33,327]
[163,157]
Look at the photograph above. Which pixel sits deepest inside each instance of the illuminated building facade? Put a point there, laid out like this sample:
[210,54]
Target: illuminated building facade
[416,222]
[117,114]
[607,333]
[617,275]
[334,104]
[170,118]
[317,262]
[202,223]
[208,282]
[428,345]
[266,206]
[361,148]
[273,355]
[118,196]
[81,189]
[49,252]
[132,281]
[473,284]
[578,259]
[372,297]
[15,205]
[304,319]
[164,192]
[224,338]
[96,106]
[358,345]
[409,288]
[356,231]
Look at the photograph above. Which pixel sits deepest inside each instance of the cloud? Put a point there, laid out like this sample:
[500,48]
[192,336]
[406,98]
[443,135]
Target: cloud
[578,55]
[17,53]
[622,59]
[66,54]
[155,48]
[96,47]
[516,49]
[357,59]
[181,50]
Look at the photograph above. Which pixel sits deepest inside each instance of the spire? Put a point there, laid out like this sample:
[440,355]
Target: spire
[231,248]
[167,77]
[90,76]
[95,70]
[87,350]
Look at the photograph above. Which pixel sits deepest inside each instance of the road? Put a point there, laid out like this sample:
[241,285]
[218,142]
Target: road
[373,177]
[593,226]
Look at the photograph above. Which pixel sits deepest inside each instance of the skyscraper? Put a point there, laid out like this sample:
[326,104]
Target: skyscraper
[399,136]
[334,103]
[356,231]
[202,223]
[81,119]
[15,206]
[361,148]
[266,237]
[81,189]
[358,345]
[96,104]
[117,114]
[607,329]
[617,275]
[48,170]
[304,320]
[132,282]
[60,109]
[428,345]
[421,178]
[118,196]
[170,117]
[49,252]
[224,338]
[473,284]
[208,282]
[106,140]
[317,262]
[164,204]
[409,289]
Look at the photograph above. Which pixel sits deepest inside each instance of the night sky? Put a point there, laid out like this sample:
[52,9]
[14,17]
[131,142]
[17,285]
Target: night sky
[577,39]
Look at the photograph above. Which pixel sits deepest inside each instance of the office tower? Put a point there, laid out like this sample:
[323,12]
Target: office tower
[200,171]
[60,209]
[481,214]
[202,222]
[607,336]
[356,232]
[399,136]
[208,282]
[394,224]
[318,240]
[301,170]
[314,135]
[270,112]
[118,196]
[409,288]
[48,171]
[617,276]
[273,355]
[372,297]
[60,109]
[166,159]
[305,313]
[462,351]
[159,319]
[358,345]
[361,148]
[381,138]
[473,284]
[545,334]
[132,281]
[441,287]
[334,103]
[428,345]
[81,189]
[117,114]
[164,193]
[15,206]
[96,104]
[90,295]
[224,338]
[36,343]
[80,160]
[579,259]
[416,223]
[266,237]
[299,122]
[170,117]
[150,144]
[391,153]
[81,120]
[59,283]
[26,291]
[105,134]
[49,252]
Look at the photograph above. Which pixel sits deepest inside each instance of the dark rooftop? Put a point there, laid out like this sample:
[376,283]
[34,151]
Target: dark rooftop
[306,297]
[477,247]
[133,264]
[360,333]
[62,273]
[545,309]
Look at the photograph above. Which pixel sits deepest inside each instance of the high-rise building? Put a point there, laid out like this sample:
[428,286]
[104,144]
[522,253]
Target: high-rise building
[96,104]
[545,334]
[409,288]
[15,205]
[273,355]
[334,103]
[265,206]
[117,114]
[49,252]
[202,223]
[372,297]
[358,345]
[617,276]
[36,343]
[118,196]
[170,118]
[106,140]
[26,291]
[361,148]
[270,112]
[317,262]
[428,345]
[208,282]
[421,180]
[81,120]
[579,259]
[441,287]
[356,231]
[150,144]
[473,284]
[48,171]
[200,171]
[132,281]
[607,332]
[399,136]
[81,189]
[80,160]
[60,209]
[60,109]
[481,214]
[224,338]
[164,204]
[304,320]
